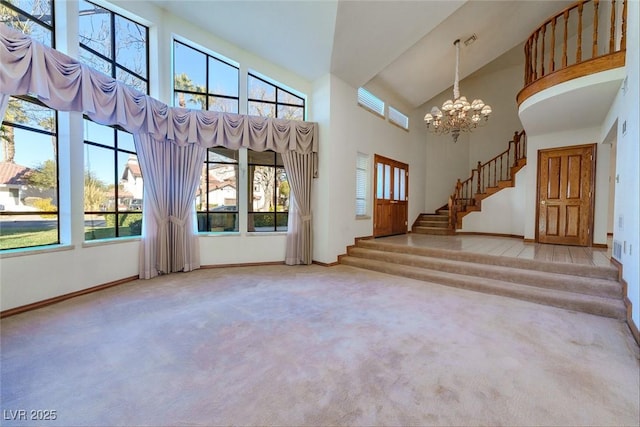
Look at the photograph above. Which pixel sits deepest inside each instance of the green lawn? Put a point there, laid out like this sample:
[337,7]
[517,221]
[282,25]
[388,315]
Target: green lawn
[26,237]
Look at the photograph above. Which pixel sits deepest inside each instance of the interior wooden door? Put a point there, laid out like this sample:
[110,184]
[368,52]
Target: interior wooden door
[565,195]
[391,191]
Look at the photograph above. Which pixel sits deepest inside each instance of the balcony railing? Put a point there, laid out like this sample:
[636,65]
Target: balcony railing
[585,38]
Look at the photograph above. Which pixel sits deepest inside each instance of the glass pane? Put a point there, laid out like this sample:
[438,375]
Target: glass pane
[261,157]
[258,89]
[201,194]
[222,193]
[361,207]
[222,155]
[219,222]
[125,141]
[285,97]
[263,190]
[129,224]
[261,109]
[131,80]
[262,221]
[281,221]
[290,113]
[99,226]
[223,105]
[187,100]
[403,181]
[99,134]
[190,68]
[95,62]
[130,183]
[396,183]
[223,78]
[21,231]
[131,45]
[379,180]
[387,182]
[282,190]
[32,115]
[99,186]
[95,28]
[21,23]
[39,9]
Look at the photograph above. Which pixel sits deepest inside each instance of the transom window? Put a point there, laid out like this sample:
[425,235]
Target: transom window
[268,192]
[202,81]
[268,100]
[115,45]
[217,195]
[32,17]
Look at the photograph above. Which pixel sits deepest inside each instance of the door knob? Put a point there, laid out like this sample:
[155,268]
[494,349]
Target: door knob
[543,202]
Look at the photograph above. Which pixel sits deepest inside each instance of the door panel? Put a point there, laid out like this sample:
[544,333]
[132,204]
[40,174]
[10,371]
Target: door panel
[392,183]
[565,195]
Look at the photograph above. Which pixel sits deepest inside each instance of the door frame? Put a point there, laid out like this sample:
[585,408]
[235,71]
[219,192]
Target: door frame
[592,189]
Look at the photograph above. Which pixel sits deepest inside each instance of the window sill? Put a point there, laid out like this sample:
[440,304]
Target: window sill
[359,217]
[219,234]
[266,233]
[111,241]
[36,250]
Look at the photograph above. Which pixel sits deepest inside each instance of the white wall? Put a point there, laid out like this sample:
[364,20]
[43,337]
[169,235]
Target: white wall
[446,161]
[627,187]
[350,129]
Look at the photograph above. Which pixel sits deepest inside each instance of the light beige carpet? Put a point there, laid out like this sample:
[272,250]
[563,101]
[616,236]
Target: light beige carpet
[314,346]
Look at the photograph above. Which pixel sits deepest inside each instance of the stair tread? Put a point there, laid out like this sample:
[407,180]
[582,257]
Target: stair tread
[548,280]
[599,305]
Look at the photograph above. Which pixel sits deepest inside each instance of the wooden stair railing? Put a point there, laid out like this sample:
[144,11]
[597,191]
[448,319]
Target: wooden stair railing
[554,53]
[487,179]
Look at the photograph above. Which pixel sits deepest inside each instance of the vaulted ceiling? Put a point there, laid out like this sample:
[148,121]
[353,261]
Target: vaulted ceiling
[406,46]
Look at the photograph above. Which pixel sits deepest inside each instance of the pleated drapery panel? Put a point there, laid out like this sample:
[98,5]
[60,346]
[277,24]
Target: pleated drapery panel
[169,142]
[300,171]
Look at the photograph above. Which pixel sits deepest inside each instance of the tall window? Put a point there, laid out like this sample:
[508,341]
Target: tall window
[202,81]
[268,192]
[32,17]
[268,100]
[115,45]
[29,147]
[362,184]
[113,182]
[217,195]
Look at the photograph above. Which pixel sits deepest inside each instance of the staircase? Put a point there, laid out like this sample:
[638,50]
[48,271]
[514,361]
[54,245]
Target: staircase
[583,288]
[485,180]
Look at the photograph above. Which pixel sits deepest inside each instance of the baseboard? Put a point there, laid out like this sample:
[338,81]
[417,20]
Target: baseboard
[329,264]
[364,238]
[627,302]
[248,264]
[529,240]
[599,245]
[478,233]
[60,298]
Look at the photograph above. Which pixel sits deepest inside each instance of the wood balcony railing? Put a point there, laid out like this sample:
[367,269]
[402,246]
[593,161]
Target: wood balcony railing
[585,38]
[487,179]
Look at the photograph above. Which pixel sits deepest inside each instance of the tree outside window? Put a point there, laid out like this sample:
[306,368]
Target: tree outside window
[268,192]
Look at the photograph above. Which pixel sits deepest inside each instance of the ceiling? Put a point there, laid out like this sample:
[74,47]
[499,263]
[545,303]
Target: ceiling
[405,46]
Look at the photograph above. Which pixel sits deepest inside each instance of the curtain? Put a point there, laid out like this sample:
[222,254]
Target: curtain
[169,141]
[300,170]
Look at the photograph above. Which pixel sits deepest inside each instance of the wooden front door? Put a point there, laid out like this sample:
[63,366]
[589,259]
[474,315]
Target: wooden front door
[391,193]
[565,195]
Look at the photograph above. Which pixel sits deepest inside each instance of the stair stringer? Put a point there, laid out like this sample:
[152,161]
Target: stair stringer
[502,212]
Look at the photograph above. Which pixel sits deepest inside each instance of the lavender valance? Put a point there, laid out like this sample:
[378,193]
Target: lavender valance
[63,83]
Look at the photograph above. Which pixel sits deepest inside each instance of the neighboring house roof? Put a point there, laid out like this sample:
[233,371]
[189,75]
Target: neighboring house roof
[121,194]
[13,174]
[134,167]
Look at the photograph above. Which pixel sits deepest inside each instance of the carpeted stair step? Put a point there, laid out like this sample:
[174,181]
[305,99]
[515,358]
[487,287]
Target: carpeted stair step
[427,223]
[592,271]
[608,307]
[432,230]
[569,283]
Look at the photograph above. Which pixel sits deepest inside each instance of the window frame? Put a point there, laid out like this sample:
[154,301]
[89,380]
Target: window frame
[370,102]
[363,175]
[398,118]
[276,103]
[207,212]
[51,27]
[250,190]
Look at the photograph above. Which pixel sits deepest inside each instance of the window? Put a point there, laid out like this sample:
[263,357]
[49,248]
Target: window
[28,176]
[115,45]
[268,100]
[34,18]
[113,182]
[268,192]
[362,184]
[369,101]
[217,195]
[396,117]
[202,81]
[29,145]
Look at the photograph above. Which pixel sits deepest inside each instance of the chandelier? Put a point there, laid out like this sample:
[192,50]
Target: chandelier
[457,116]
